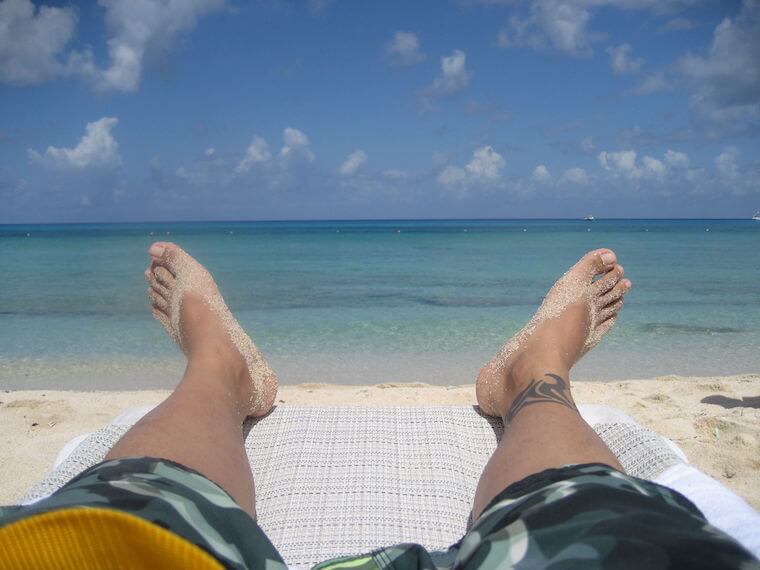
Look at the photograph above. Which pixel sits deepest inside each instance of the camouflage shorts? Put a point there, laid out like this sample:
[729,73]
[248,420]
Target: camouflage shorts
[583,516]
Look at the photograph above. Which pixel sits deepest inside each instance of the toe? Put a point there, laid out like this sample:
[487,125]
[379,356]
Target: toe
[610,310]
[596,262]
[157,300]
[621,288]
[161,317]
[609,280]
[165,254]
[163,276]
[158,285]
[160,289]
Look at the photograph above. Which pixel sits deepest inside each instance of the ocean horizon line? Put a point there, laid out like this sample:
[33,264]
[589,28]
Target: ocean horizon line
[366,220]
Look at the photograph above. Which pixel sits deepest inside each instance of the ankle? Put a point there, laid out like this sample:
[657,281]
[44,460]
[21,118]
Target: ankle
[539,388]
[526,368]
[215,359]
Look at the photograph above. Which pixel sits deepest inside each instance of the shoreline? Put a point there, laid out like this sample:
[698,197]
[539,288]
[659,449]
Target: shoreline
[714,419]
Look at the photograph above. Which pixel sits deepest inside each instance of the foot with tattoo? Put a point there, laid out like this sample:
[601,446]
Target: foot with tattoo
[533,366]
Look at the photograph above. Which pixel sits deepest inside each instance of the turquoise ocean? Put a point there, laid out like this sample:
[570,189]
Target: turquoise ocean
[365,302]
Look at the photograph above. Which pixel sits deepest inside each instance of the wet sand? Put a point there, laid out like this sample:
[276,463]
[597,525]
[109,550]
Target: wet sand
[715,420]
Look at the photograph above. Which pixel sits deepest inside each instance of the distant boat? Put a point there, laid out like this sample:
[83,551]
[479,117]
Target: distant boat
[756,217]
[589,218]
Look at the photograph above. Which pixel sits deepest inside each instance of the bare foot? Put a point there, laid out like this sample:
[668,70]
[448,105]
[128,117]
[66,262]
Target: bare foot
[187,302]
[574,316]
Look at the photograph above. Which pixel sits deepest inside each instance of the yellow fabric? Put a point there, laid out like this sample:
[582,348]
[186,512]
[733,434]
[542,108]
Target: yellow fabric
[83,538]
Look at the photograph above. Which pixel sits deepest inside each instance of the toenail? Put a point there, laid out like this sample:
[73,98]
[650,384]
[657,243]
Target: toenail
[627,284]
[156,250]
[608,258]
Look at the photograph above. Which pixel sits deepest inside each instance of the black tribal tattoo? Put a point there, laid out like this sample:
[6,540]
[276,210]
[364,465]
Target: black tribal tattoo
[554,390]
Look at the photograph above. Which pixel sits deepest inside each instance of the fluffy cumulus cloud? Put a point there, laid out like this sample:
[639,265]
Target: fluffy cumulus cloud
[96,148]
[353,163]
[404,49]
[565,25]
[541,174]
[551,24]
[676,159]
[575,176]
[620,161]
[454,75]
[621,60]
[653,167]
[726,82]
[623,163]
[295,144]
[484,168]
[257,151]
[32,41]
[140,29]
[486,164]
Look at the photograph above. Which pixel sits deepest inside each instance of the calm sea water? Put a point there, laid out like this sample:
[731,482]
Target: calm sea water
[369,302]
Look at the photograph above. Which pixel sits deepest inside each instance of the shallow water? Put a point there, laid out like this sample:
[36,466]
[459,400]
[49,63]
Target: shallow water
[368,302]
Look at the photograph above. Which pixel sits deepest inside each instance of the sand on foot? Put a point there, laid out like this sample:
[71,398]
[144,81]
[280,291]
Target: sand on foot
[715,420]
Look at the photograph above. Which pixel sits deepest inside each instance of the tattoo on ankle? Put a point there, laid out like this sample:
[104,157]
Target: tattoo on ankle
[550,389]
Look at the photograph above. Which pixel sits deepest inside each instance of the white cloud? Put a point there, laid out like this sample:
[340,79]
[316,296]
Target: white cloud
[653,168]
[294,138]
[452,176]
[295,144]
[561,25]
[144,29]
[726,83]
[210,152]
[96,148]
[541,174]
[575,176]
[725,162]
[484,168]
[623,161]
[676,159]
[353,163]
[404,49]
[486,164]
[621,60]
[454,75]
[31,41]
[257,151]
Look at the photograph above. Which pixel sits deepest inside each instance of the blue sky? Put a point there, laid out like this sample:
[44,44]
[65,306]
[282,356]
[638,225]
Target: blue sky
[131,110]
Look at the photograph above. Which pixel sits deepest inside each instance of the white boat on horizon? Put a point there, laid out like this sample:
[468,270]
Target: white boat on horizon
[756,217]
[589,218]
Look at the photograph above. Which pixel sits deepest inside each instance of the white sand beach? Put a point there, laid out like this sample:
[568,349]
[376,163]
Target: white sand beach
[715,420]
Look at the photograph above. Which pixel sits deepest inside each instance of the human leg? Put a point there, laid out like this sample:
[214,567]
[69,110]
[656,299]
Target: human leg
[200,424]
[527,383]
